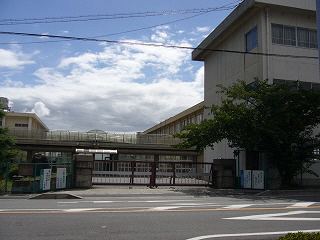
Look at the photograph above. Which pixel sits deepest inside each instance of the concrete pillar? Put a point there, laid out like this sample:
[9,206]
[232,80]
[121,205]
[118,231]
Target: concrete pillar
[4,122]
[30,124]
[83,170]
[29,156]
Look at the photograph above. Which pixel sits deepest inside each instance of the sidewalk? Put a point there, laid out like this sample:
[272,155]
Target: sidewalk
[132,191]
[108,191]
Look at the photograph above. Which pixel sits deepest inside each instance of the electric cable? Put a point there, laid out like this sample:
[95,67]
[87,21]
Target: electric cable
[156,45]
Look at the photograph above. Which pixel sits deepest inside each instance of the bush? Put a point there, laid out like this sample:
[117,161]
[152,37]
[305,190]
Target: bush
[301,236]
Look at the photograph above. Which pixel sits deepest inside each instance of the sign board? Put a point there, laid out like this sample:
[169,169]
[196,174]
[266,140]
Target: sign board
[247,179]
[257,179]
[61,179]
[45,179]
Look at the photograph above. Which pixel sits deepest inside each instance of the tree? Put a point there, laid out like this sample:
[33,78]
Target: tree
[7,143]
[275,119]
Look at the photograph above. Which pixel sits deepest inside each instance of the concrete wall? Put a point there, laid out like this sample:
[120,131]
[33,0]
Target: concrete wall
[226,68]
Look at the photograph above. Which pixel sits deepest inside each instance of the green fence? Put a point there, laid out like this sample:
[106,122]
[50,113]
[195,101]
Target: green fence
[35,177]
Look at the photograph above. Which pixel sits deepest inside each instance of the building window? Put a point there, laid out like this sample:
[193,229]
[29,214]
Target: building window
[303,37]
[21,125]
[190,120]
[313,39]
[177,127]
[199,118]
[295,85]
[184,123]
[288,35]
[252,39]
[284,35]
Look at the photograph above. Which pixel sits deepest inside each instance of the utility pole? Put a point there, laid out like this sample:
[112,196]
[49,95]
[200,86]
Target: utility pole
[318,29]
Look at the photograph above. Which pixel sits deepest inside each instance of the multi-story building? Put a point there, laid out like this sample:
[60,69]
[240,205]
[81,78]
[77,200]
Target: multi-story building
[22,121]
[175,124]
[260,38]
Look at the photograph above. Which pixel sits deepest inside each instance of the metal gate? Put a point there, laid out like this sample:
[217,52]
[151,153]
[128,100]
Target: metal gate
[115,172]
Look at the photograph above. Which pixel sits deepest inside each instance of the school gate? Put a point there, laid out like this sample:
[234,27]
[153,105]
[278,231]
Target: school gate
[109,168]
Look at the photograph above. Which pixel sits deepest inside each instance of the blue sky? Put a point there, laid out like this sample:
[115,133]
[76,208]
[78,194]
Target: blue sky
[78,85]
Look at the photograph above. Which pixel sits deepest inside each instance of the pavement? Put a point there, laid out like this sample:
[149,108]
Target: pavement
[128,191]
[131,191]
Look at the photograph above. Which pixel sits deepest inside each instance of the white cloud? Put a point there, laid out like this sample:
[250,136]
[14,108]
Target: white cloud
[203,29]
[40,109]
[122,88]
[14,58]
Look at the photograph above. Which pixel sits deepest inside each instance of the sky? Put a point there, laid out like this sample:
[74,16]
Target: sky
[85,85]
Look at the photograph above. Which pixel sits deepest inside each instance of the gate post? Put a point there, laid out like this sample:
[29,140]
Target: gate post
[153,175]
[83,170]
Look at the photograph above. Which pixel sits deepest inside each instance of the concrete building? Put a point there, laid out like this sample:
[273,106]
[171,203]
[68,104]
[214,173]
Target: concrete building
[16,121]
[193,115]
[245,45]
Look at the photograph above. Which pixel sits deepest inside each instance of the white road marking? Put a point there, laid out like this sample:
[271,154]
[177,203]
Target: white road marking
[249,234]
[302,204]
[278,216]
[239,206]
[30,209]
[164,208]
[81,209]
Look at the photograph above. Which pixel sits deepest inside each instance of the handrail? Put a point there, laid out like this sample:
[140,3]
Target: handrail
[93,137]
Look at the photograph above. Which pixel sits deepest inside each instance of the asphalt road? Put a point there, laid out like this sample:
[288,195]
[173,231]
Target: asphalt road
[157,217]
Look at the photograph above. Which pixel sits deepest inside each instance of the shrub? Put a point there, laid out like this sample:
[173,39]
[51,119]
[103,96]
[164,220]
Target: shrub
[301,236]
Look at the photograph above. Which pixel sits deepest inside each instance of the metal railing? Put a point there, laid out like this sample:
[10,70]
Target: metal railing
[94,137]
[116,172]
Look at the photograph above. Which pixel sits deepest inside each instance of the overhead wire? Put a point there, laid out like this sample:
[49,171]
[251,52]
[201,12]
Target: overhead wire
[96,17]
[133,30]
[156,45]
[117,33]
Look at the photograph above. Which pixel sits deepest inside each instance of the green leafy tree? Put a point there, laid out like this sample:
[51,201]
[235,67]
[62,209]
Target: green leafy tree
[7,146]
[261,117]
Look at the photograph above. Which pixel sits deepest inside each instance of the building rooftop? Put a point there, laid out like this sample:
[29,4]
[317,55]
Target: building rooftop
[176,117]
[246,8]
[32,115]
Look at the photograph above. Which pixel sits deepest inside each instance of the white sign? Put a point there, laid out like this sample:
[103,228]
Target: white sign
[257,179]
[61,180]
[45,179]
[247,179]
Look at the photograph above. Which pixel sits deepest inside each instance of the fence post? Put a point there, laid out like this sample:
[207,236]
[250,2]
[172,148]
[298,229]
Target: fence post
[212,176]
[132,172]
[7,177]
[174,173]
[34,177]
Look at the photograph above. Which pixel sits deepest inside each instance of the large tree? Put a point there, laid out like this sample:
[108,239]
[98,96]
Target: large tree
[7,143]
[278,119]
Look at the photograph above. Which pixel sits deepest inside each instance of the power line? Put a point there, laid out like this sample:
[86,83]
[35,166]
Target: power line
[155,45]
[123,32]
[85,18]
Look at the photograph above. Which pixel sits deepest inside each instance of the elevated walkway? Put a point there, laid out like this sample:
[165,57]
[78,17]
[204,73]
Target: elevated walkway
[68,141]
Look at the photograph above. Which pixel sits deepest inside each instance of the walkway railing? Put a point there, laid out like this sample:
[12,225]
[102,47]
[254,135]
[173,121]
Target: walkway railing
[94,137]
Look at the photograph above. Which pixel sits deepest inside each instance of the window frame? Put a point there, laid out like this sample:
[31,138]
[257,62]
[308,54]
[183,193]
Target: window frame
[250,42]
[312,42]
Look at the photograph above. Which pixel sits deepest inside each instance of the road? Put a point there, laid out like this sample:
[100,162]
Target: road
[157,217]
